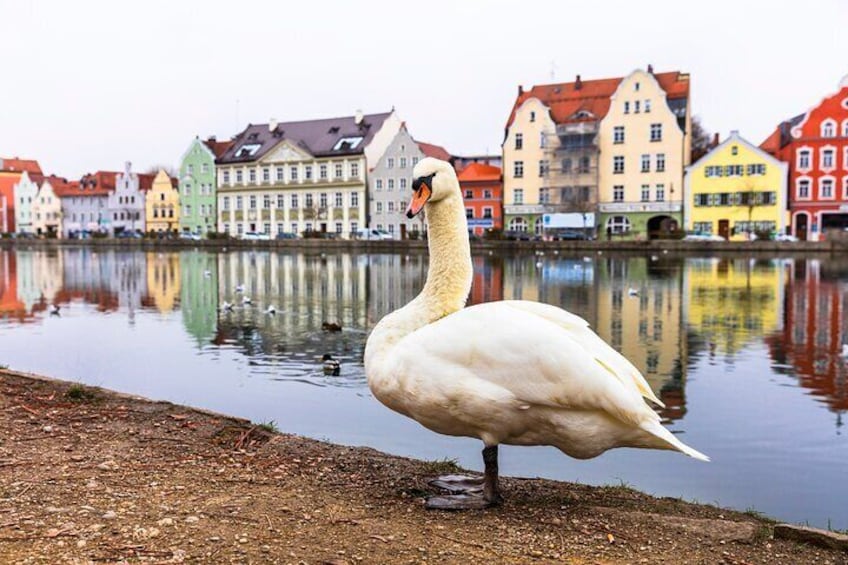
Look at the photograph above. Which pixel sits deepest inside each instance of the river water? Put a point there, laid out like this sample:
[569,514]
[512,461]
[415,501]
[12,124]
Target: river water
[746,353]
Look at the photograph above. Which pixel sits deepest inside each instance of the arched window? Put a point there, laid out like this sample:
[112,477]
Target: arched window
[618,224]
[845,129]
[828,128]
[540,225]
[518,224]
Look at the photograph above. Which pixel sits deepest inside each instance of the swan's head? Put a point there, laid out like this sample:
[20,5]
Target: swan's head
[432,180]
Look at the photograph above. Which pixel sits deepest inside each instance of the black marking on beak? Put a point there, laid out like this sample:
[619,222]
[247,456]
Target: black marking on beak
[428,180]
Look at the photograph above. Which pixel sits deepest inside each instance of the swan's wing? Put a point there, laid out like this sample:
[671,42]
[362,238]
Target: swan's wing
[582,333]
[506,351]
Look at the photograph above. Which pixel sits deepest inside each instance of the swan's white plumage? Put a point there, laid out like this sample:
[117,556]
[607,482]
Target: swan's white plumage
[512,372]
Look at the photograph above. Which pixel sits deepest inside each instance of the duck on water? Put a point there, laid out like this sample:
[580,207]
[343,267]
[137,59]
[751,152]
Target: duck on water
[513,372]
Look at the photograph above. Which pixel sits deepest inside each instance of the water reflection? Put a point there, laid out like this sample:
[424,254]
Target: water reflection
[687,324]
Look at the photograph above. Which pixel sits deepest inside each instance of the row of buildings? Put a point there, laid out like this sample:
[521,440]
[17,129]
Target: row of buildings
[616,157]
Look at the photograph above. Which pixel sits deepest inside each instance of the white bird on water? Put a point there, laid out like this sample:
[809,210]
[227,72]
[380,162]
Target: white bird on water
[226,307]
[633,291]
[246,301]
[239,287]
[207,273]
[54,309]
[513,372]
[271,309]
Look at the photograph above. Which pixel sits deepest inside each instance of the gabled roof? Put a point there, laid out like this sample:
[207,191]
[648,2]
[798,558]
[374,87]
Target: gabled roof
[734,137]
[435,151]
[99,183]
[781,134]
[145,181]
[589,100]
[218,148]
[60,185]
[321,138]
[479,172]
[20,165]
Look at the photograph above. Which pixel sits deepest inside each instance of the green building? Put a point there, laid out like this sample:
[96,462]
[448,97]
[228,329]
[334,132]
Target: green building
[198,185]
[199,295]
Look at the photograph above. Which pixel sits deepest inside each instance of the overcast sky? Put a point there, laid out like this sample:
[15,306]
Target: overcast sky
[88,85]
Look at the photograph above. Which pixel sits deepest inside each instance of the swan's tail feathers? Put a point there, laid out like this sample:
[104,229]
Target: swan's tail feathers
[657,430]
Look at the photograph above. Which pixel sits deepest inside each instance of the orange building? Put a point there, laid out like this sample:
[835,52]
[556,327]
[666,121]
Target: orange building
[11,171]
[482,190]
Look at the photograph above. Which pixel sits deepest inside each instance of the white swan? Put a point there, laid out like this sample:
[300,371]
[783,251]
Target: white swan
[512,372]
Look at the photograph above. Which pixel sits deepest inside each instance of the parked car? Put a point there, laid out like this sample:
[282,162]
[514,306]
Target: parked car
[255,236]
[372,234]
[190,236]
[785,237]
[703,236]
[568,235]
[286,235]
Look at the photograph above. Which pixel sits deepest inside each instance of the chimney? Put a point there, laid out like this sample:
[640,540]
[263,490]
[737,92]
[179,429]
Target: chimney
[650,68]
[357,119]
[578,84]
[715,139]
[212,139]
[520,90]
[272,124]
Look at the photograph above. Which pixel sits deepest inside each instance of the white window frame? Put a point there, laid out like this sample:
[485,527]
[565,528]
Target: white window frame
[660,193]
[822,181]
[827,150]
[845,132]
[845,187]
[618,135]
[660,162]
[828,128]
[618,224]
[658,130]
[518,196]
[645,162]
[618,193]
[798,182]
[616,161]
[805,150]
[645,193]
[519,141]
[518,169]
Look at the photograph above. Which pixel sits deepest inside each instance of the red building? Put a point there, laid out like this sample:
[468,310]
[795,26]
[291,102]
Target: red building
[482,190]
[11,171]
[815,145]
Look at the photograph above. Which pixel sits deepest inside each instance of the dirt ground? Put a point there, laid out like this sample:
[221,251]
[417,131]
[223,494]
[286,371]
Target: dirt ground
[92,476]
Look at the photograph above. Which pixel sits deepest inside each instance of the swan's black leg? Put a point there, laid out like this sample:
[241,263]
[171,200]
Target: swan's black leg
[469,493]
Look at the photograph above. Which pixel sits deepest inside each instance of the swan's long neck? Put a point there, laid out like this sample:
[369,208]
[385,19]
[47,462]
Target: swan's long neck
[448,277]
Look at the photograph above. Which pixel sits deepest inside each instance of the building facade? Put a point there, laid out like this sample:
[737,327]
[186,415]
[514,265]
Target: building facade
[25,192]
[162,205]
[198,185]
[126,208]
[301,177]
[46,208]
[482,193]
[737,190]
[11,171]
[815,145]
[85,205]
[645,145]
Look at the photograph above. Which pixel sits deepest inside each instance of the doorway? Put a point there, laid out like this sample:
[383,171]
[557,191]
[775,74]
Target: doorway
[801,226]
[724,228]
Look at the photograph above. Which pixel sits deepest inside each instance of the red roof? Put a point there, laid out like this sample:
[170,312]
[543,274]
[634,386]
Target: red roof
[593,96]
[20,165]
[145,181]
[217,148]
[435,151]
[97,184]
[772,142]
[480,172]
[61,187]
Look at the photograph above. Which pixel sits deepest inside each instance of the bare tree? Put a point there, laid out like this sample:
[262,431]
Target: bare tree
[702,140]
[169,169]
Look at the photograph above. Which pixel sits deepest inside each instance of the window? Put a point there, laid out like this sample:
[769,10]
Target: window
[402,183]
[487,193]
[543,168]
[239,178]
[487,213]
[585,163]
[618,224]
[225,203]
[532,116]
[733,171]
[660,193]
[322,200]
[646,163]
[636,87]
[647,106]
[354,170]
[543,139]
[618,164]
[294,201]
[827,159]
[187,189]
[266,174]
[239,203]
[240,228]
[713,171]
[280,228]
[266,201]
[566,165]
[702,199]
[281,202]
[469,194]
[308,200]
[307,172]
[828,128]
[518,196]
[390,163]
[845,187]
[378,206]
[279,174]
[803,188]
[266,227]
[204,168]
[378,184]
[354,226]
[845,132]
[618,134]
[252,200]
[338,227]
[294,227]
[826,188]
[804,158]
[734,150]
[636,107]
[627,107]
[618,193]
[402,162]
[322,172]
[390,184]
[660,162]
[703,227]
[338,170]
[518,169]
[338,200]
[646,192]
[390,206]
[519,140]
[469,213]
[354,199]
[756,169]
[293,173]
[656,132]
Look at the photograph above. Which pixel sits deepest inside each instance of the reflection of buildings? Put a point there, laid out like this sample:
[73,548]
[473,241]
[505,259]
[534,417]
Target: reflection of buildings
[163,280]
[10,304]
[393,280]
[646,328]
[87,276]
[39,277]
[814,334]
[729,302]
[199,294]
[487,285]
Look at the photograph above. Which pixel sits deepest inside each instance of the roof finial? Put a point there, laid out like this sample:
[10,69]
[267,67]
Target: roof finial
[650,68]
[578,84]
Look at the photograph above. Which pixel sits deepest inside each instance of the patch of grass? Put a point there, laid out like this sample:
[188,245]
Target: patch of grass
[754,513]
[270,427]
[3,367]
[81,393]
[830,528]
[441,467]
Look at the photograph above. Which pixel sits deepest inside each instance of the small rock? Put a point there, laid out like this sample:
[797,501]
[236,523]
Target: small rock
[47,429]
[165,522]
[242,540]
[109,515]
[815,536]
[107,466]
[265,548]
[214,538]
[81,543]
[192,519]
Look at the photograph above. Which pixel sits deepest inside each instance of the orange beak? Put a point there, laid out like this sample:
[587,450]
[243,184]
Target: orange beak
[419,199]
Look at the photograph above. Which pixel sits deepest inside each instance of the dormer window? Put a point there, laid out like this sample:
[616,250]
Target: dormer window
[347,143]
[828,128]
[247,150]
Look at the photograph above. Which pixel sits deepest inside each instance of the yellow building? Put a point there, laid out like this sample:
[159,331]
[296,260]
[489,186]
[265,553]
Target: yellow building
[731,302]
[162,205]
[163,280]
[736,190]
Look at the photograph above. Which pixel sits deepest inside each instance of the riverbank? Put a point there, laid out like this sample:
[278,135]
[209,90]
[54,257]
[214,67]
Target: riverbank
[89,476]
[654,247]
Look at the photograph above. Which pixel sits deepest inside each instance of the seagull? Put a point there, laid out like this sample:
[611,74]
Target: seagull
[246,300]
[54,309]
[633,291]
[226,307]
[332,367]
[239,287]
[539,264]
[654,258]
[271,309]
[587,259]
[207,273]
